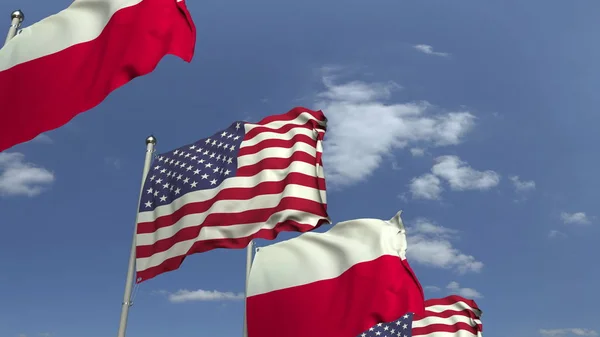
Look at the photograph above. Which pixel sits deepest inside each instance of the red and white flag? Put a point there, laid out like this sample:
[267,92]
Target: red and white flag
[251,180]
[335,284]
[71,61]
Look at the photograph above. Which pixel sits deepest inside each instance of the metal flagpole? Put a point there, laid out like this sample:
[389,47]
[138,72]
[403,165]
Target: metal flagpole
[248,267]
[150,143]
[17,18]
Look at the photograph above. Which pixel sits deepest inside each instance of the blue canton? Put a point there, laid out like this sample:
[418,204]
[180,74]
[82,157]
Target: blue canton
[401,327]
[198,166]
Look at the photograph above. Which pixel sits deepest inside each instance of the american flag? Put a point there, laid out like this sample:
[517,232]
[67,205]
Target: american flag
[449,316]
[245,182]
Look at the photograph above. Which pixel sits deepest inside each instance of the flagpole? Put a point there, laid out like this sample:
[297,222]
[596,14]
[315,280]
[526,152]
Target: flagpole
[248,267]
[150,144]
[17,18]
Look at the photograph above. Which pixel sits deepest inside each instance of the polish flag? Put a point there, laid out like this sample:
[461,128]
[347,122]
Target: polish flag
[335,284]
[69,62]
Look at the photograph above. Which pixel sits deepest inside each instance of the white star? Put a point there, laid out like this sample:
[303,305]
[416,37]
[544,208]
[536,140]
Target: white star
[194,158]
[229,160]
[219,157]
[148,204]
[236,137]
[171,161]
[208,141]
[199,149]
[179,177]
[230,135]
[178,190]
[227,172]
[208,165]
[378,333]
[194,184]
[187,155]
[206,153]
[175,152]
[213,182]
[181,153]
[386,328]
[224,134]
[163,198]
[212,155]
[231,148]
[171,188]
[226,146]
[166,185]
[405,316]
[158,181]
[156,193]
[379,324]
[182,164]
[192,147]
[220,144]
[205,176]
[200,161]
[150,190]
[169,174]
[156,167]
[405,326]
[216,169]
[152,178]
[196,172]
[177,163]
[160,158]
[214,142]
[237,126]
[189,168]
[186,180]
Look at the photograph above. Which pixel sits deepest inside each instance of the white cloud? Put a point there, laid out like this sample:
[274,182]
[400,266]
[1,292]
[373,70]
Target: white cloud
[363,127]
[430,245]
[579,218]
[18,177]
[185,295]
[432,288]
[42,138]
[461,176]
[522,186]
[426,186]
[567,332]
[554,234]
[417,152]
[427,49]
[468,293]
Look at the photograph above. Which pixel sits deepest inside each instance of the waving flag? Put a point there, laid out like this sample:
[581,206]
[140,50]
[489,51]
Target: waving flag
[245,182]
[71,61]
[333,284]
[450,316]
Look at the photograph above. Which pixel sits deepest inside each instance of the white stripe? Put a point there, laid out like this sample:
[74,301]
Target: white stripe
[445,321]
[301,119]
[275,152]
[237,231]
[82,21]
[459,333]
[229,206]
[312,257]
[268,135]
[233,182]
[457,306]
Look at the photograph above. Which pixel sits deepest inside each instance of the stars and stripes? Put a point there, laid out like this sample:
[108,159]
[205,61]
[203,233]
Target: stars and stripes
[449,316]
[247,181]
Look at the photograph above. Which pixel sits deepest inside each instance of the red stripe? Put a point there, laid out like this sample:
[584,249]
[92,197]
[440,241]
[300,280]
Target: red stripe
[368,293]
[227,219]
[275,164]
[46,93]
[203,246]
[450,313]
[431,328]
[275,187]
[450,300]
[277,143]
[309,125]
[293,114]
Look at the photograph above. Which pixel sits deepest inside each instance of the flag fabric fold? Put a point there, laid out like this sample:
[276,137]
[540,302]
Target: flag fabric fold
[443,317]
[334,284]
[70,62]
[251,180]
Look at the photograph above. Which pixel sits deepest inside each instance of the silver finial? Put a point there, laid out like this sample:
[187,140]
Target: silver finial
[18,14]
[151,140]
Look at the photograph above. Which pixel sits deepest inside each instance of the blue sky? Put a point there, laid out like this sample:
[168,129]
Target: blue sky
[434,106]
